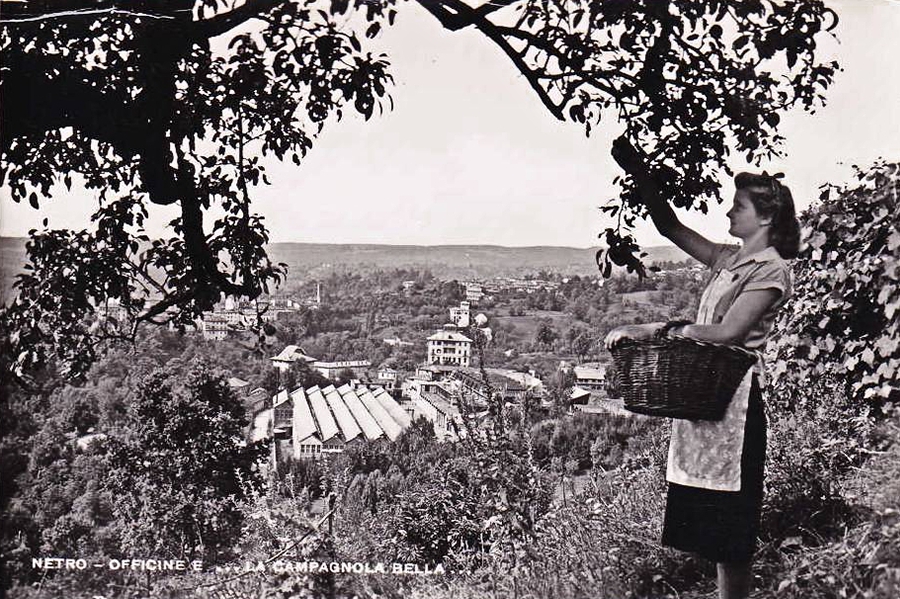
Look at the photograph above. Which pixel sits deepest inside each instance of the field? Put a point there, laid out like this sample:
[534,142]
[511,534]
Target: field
[527,325]
[644,298]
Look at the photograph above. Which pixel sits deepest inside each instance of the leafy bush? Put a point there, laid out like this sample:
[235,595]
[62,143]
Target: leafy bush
[804,503]
[605,544]
[179,465]
[844,318]
[589,440]
[863,560]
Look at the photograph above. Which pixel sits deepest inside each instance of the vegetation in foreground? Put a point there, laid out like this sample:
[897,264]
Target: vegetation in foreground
[484,509]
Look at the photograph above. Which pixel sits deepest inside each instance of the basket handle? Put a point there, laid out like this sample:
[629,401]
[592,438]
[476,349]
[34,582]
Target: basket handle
[733,348]
[663,331]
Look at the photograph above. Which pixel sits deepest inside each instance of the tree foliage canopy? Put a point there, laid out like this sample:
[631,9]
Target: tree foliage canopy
[180,102]
[690,81]
[175,102]
[184,446]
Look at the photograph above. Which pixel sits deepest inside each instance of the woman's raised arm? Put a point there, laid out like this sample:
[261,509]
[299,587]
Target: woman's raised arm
[667,223]
[664,218]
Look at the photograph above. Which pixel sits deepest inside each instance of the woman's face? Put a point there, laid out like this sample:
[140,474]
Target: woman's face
[744,221]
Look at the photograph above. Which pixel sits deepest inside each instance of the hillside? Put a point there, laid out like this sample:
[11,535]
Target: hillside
[452,261]
[444,261]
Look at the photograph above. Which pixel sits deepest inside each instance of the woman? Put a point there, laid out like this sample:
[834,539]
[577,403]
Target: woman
[715,469]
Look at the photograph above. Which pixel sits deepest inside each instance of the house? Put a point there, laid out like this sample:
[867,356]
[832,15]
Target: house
[590,378]
[510,390]
[460,315]
[389,378]
[232,317]
[114,310]
[449,348]
[239,386]
[257,399]
[331,370]
[528,380]
[474,292]
[251,316]
[214,327]
[579,396]
[613,407]
[290,355]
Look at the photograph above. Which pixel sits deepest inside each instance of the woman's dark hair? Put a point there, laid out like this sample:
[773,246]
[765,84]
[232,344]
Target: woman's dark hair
[774,201]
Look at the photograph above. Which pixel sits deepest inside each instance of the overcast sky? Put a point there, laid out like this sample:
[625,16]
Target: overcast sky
[470,156]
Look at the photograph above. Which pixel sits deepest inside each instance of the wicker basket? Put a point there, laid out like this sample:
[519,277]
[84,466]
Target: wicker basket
[677,377]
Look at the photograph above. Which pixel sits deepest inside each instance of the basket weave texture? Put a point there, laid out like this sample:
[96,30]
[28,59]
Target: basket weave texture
[677,377]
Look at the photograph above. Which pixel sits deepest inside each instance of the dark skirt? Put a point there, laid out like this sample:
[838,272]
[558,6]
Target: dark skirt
[722,526]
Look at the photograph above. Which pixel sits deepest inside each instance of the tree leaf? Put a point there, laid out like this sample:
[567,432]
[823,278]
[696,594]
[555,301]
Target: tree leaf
[868,356]
[893,241]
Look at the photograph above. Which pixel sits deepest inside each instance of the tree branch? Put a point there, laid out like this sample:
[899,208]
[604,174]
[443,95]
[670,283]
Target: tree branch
[455,15]
[163,305]
[102,116]
[451,21]
[31,11]
[84,13]
[493,5]
[34,11]
[595,76]
[225,22]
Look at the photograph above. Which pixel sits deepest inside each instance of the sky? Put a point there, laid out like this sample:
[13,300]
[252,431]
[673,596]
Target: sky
[469,155]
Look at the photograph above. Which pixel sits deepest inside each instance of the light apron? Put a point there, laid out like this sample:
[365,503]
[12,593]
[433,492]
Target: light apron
[703,453]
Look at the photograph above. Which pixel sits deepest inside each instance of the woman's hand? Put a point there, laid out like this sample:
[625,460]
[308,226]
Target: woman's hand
[635,332]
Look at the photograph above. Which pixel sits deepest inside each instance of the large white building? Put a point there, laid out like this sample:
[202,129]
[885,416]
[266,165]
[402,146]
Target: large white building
[214,328]
[449,348]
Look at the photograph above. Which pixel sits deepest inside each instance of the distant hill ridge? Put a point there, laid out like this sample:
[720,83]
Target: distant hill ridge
[453,261]
[444,261]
